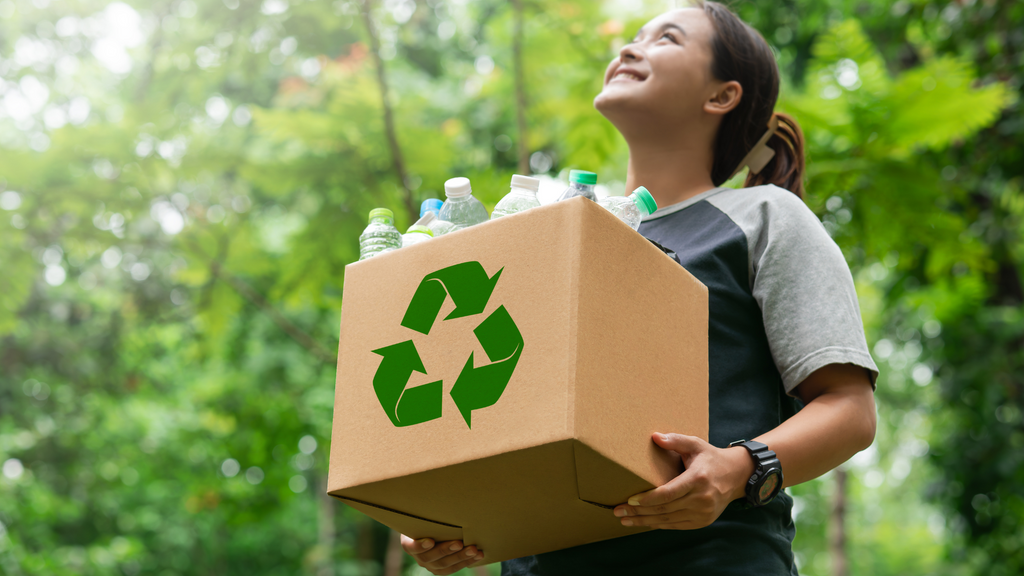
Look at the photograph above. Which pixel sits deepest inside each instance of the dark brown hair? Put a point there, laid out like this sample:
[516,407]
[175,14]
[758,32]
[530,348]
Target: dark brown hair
[740,53]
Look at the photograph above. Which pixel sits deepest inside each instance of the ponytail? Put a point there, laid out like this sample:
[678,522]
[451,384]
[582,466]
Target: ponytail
[786,168]
[740,53]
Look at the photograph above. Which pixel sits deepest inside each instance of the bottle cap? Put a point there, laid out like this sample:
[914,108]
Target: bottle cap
[519,181]
[430,204]
[420,229]
[646,200]
[457,187]
[382,213]
[582,177]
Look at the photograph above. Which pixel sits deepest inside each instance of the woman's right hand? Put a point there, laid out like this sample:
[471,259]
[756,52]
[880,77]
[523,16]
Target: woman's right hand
[441,557]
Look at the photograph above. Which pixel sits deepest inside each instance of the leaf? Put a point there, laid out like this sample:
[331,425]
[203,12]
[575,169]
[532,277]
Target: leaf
[935,105]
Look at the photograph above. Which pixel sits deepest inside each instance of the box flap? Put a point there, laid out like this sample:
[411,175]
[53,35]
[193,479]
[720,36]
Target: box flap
[412,526]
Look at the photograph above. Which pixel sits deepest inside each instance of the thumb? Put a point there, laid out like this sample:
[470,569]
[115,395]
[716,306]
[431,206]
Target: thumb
[685,446]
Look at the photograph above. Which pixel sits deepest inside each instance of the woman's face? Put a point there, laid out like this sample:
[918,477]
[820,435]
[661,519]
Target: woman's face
[664,73]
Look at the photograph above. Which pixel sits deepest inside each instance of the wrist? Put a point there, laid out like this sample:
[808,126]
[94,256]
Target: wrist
[742,467]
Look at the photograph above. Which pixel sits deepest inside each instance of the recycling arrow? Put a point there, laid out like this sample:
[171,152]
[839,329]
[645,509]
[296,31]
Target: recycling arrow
[480,387]
[477,386]
[468,285]
[405,407]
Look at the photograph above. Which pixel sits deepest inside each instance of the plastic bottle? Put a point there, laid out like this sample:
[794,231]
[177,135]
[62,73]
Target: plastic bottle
[461,208]
[415,235]
[581,183]
[428,217]
[523,196]
[631,209]
[380,235]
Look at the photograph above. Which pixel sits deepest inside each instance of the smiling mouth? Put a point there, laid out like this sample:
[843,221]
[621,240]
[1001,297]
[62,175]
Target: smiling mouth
[626,77]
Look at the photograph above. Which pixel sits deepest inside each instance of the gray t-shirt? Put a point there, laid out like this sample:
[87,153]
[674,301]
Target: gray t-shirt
[781,304]
[796,274]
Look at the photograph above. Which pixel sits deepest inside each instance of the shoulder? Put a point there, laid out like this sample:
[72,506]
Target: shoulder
[768,209]
[768,199]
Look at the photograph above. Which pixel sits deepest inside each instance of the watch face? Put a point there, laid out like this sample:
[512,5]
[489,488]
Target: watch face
[767,489]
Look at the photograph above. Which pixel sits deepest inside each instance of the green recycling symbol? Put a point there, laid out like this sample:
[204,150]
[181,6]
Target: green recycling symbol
[477,386]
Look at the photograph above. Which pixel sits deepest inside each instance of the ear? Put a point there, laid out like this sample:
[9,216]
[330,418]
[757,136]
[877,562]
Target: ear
[726,97]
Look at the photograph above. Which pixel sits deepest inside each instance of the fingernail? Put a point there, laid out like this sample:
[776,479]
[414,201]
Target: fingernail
[633,501]
[620,512]
[627,522]
[456,547]
[427,544]
[470,553]
[480,556]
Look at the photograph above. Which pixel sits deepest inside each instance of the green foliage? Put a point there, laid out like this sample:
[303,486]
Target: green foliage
[173,256]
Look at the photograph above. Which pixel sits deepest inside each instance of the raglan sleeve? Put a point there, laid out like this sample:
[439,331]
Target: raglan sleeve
[805,290]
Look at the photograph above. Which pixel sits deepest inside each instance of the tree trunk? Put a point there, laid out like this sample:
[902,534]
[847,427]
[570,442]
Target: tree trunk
[837,526]
[397,161]
[517,62]
[326,530]
[364,545]
[393,558]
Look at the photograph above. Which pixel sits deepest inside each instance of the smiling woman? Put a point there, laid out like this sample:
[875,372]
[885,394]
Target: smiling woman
[790,377]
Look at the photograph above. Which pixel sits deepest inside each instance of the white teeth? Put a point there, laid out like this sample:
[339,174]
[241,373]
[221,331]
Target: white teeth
[628,75]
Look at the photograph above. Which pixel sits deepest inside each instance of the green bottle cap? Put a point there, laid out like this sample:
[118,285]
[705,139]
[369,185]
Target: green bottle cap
[420,229]
[382,213]
[583,177]
[646,200]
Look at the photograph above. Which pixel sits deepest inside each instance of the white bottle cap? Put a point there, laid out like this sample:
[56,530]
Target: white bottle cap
[457,187]
[427,219]
[519,181]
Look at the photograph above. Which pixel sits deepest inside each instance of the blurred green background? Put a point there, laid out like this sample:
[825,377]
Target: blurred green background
[182,183]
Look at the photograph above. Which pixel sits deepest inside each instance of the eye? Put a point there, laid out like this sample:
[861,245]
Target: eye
[670,37]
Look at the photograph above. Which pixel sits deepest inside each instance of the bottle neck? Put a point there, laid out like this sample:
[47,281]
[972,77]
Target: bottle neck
[639,204]
[382,220]
[582,187]
[523,192]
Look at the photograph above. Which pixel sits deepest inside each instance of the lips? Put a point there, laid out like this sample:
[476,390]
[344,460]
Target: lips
[627,75]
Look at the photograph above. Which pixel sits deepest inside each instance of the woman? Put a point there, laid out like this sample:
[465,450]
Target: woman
[693,94]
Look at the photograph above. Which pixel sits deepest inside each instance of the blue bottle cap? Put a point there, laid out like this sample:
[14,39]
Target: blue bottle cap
[430,205]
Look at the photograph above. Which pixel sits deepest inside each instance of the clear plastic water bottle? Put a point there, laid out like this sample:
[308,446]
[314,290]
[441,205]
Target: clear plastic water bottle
[415,235]
[428,217]
[380,235]
[461,208]
[523,196]
[631,209]
[581,183]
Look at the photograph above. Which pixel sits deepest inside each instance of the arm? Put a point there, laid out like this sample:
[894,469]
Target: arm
[837,421]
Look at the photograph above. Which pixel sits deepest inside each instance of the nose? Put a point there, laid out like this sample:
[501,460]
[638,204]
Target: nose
[630,53]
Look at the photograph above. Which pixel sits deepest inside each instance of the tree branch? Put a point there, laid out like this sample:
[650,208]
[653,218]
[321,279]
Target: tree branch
[517,64]
[255,298]
[389,123]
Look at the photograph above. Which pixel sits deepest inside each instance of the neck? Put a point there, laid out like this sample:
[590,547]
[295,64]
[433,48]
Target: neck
[672,171]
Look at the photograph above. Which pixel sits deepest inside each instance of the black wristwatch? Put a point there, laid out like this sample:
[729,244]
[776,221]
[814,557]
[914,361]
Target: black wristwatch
[766,481]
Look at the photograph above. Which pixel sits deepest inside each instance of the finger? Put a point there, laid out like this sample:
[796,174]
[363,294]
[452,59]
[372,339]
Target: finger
[684,525]
[439,552]
[416,547]
[680,443]
[469,554]
[661,519]
[677,505]
[456,567]
[674,489]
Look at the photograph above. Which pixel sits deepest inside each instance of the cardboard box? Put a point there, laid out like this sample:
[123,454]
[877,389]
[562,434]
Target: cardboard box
[563,340]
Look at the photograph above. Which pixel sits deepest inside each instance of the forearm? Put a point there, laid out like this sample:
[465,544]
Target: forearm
[837,421]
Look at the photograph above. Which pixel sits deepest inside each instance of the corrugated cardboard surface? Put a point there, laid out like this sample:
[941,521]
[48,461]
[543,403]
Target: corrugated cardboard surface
[615,347]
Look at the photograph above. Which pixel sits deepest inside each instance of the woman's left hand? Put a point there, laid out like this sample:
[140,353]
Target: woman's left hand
[713,478]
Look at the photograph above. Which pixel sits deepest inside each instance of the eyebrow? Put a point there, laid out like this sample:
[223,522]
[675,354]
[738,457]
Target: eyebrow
[663,27]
